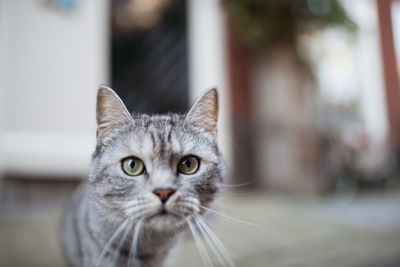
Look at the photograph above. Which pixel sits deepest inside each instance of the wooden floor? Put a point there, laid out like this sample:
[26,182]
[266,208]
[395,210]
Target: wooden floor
[340,231]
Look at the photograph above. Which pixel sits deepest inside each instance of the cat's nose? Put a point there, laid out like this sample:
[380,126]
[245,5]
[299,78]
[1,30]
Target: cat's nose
[164,193]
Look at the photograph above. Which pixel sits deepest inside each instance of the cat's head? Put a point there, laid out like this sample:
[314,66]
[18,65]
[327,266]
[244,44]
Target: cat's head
[161,169]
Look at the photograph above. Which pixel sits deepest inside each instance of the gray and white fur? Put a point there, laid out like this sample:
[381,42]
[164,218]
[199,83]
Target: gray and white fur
[116,219]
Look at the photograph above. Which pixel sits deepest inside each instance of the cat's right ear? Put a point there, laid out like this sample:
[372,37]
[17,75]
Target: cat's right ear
[204,112]
[110,113]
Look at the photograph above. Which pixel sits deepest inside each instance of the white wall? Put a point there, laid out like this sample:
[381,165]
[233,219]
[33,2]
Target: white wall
[370,69]
[51,65]
[208,62]
[350,67]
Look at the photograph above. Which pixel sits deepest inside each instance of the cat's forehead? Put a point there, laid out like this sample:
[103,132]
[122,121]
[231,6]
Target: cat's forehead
[155,132]
[159,128]
[158,122]
[162,136]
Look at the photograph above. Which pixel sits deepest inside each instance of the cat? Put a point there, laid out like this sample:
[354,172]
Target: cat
[151,178]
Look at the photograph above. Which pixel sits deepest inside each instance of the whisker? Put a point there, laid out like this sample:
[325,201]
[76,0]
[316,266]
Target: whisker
[215,250]
[133,250]
[121,242]
[236,185]
[138,210]
[189,199]
[136,204]
[217,242]
[232,218]
[113,237]
[203,252]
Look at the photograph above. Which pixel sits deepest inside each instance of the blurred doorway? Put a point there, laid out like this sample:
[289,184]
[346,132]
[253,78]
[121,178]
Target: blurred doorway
[149,58]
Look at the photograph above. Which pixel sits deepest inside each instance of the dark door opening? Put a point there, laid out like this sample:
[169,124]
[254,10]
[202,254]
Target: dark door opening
[149,68]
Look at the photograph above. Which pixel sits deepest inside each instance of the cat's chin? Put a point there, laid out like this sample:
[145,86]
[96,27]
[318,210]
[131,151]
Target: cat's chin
[165,222]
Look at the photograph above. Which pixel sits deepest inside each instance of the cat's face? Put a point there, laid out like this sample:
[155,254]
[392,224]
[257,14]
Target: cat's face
[160,169]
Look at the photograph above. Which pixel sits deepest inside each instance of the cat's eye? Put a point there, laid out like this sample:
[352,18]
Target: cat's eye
[132,166]
[188,165]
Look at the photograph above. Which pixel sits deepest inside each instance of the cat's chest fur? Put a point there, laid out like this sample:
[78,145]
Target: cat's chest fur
[151,178]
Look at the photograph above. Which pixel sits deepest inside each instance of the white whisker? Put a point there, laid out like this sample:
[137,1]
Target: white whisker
[211,244]
[121,242]
[236,185]
[112,239]
[203,252]
[137,211]
[231,218]
[133,250]
[217,242]
[190,199]
[136,203]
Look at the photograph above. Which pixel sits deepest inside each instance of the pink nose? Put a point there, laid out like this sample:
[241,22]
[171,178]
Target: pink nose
[164,193]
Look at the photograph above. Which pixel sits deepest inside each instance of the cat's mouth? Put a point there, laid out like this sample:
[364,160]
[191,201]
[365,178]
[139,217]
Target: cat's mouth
[164,221]
[163,217]
[164,213]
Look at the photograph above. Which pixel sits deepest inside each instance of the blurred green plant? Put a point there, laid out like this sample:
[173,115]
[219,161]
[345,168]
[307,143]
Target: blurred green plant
[261,23]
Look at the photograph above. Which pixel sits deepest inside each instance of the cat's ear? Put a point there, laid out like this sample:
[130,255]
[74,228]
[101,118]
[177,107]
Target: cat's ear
[110,112]
[204,112]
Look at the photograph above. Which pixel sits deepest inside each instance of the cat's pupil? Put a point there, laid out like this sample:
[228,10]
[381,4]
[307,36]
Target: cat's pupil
[132,164]
[187,163]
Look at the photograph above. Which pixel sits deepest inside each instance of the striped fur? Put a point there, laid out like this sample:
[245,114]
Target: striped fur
[110,198]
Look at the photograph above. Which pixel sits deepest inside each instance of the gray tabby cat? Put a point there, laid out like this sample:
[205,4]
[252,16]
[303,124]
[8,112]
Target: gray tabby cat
[151,178]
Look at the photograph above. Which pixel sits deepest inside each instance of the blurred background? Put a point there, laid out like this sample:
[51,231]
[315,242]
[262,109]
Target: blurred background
[309,120]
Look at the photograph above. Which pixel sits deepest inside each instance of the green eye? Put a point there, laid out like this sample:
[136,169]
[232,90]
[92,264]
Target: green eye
[188,165]
[132,166]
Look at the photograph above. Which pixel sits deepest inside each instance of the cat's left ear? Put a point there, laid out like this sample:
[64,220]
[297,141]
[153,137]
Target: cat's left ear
[204,112]
[111,113]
